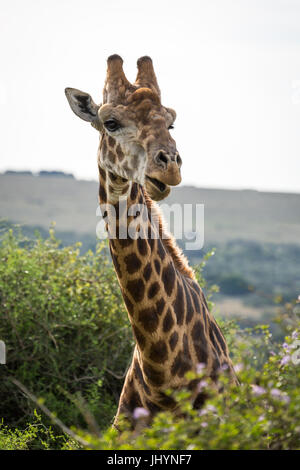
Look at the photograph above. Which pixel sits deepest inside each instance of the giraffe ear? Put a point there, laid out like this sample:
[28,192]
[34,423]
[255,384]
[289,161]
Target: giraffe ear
[83,106]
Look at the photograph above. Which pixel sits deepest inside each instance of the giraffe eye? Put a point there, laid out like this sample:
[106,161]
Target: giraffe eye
[171,127]
[112,125]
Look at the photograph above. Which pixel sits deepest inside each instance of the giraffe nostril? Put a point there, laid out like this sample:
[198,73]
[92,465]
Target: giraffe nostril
[178,160]
[162,159]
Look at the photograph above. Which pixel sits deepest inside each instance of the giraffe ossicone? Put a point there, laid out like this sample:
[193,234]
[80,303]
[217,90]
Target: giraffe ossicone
[138,162]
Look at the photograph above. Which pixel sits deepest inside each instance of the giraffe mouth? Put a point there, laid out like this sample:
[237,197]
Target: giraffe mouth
[158,184]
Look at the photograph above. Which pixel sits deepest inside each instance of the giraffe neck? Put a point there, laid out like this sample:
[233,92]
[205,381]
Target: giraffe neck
[166,307]
[173,328]
[148,274]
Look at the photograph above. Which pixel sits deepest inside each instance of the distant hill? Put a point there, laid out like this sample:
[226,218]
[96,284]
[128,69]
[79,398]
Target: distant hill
[54,173]
[38,201]
[229,214]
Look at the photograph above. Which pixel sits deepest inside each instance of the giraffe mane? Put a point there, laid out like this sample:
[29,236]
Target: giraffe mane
[168,240]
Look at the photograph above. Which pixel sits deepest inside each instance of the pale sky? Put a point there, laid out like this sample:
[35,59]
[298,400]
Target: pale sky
[230,69]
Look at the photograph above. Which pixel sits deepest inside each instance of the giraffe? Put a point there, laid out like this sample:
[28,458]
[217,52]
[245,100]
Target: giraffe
[138,162]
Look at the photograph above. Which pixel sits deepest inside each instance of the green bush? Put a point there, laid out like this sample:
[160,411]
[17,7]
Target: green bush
[65,329]
[69,343]
[35,435]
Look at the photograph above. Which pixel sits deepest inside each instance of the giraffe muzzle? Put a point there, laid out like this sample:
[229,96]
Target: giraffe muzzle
[156,189]
[166,168]
[164,159]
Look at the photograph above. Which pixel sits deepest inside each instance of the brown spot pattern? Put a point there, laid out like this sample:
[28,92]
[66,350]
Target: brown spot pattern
[111,157]
[178,304]
[147,272]
[189,305]
[119,152]
[168,278]
[142,246]
[160,305]
[181,365]
[173,340]
[128,303]
[111,141]
[168,322]
[133,263]
[200,342]
[157,266]
[155,376]
[149,319]
[134,191]
[140,338]
[158,352]
[140,377]
[102,194]
[136,288]
[161,250]
[153,290]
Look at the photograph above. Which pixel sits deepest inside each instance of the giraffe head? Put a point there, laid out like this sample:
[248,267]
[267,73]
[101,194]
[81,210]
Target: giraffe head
[135,143]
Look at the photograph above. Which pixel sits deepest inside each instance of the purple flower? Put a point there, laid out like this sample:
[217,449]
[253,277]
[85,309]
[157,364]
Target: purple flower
[286,398]
[204,425]
[201,385]
[211,408]
[295,334]
[200,367]
[285,360]
[140,412]
[276,393]
[238,367]
[257,390]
